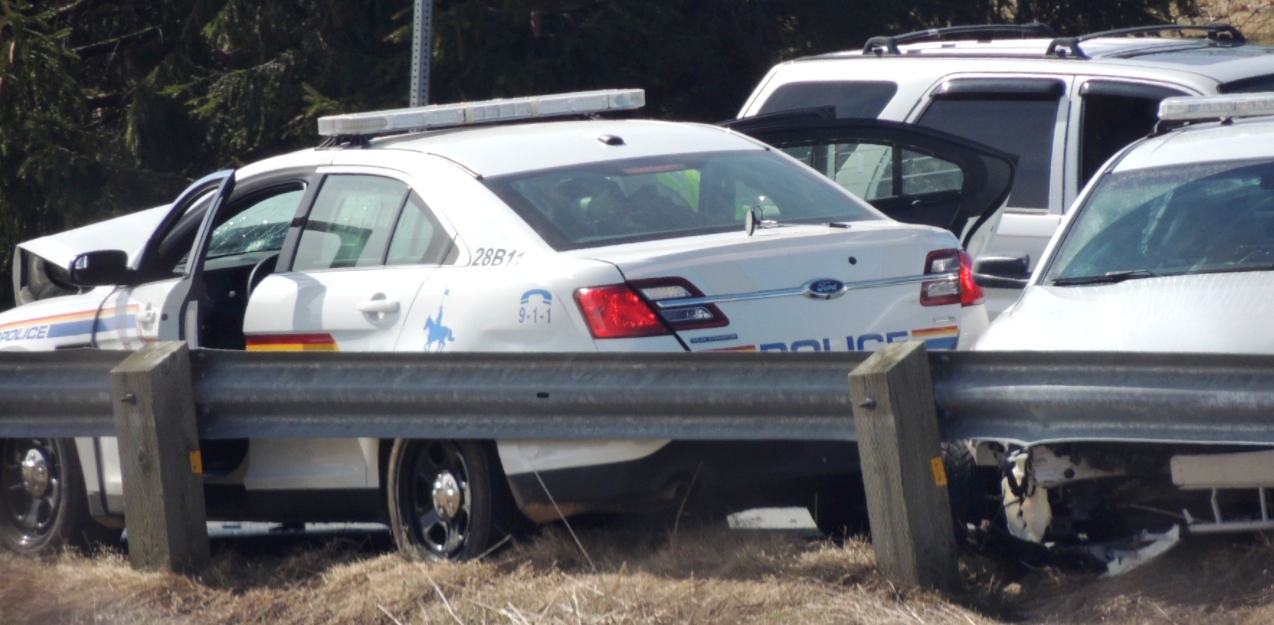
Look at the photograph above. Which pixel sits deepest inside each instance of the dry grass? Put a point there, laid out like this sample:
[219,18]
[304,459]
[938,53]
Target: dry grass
[705,575]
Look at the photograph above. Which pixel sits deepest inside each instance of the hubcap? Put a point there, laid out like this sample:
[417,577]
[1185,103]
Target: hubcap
[30,488]
[446,495]
[439,498]
[35,473]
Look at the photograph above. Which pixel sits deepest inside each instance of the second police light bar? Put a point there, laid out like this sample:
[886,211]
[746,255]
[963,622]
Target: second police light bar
[1216,107]
[489,111]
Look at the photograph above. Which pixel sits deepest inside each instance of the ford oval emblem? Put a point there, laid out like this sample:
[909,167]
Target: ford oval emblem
[825,288]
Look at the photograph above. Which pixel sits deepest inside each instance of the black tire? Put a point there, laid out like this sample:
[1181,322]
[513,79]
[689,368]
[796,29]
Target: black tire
[839,507]
[448,500]
[972,489]
[47,509]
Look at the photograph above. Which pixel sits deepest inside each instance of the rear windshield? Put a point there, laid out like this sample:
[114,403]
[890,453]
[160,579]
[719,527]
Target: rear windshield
[671,196]
[1199,218]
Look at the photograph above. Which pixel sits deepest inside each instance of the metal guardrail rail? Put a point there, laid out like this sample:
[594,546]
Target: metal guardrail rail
[1029,397]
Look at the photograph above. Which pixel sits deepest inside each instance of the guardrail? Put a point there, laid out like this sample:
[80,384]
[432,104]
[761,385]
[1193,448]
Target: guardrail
[1027,397]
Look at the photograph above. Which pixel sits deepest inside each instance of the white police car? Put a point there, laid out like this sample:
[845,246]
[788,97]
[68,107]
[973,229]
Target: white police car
[449,228]
[1170,248]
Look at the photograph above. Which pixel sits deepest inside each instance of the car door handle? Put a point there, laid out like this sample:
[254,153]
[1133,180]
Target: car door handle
[378,306]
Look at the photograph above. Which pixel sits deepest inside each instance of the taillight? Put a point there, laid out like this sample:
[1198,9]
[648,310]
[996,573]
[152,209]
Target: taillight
[617,312]
[959,288]
[691,317]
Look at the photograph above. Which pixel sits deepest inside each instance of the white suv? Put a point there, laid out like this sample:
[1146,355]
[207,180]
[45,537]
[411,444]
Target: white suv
[1063,106]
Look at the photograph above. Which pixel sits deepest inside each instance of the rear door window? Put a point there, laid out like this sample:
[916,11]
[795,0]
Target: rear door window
[351,222]
[850,99]
[1015,116]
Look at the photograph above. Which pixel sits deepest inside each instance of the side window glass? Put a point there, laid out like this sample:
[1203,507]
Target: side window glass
[350,223]
[850,99]
[1018,126]
[878,171]
[923,174]
[418,238]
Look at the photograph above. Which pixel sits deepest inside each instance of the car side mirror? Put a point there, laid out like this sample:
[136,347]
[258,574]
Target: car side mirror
[101,268]
[1005,270]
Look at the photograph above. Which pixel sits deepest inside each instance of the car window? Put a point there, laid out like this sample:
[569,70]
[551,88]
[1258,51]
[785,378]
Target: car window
[259,227]
[418,237]
[1018,126]
[851,99]
[1196,218]
[671,196]
[350,223]
[1114,114]
[868,169]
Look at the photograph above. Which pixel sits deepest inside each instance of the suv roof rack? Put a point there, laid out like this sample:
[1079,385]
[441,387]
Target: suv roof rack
[984,32]
[473,113]
[1069,46]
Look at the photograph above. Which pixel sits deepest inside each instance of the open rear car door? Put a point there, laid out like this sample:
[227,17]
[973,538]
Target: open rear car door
[912,174]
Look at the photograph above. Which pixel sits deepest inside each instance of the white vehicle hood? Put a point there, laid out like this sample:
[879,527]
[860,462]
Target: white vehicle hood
[1220,313]
[128,233]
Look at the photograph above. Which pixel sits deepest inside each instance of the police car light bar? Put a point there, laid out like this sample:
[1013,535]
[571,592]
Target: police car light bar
[1215,107]
[468,113]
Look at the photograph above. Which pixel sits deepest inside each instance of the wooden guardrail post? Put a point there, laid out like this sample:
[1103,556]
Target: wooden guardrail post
[159,458]
[905,482]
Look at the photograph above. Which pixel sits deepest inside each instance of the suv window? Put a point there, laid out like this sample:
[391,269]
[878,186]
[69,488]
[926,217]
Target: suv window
[350,223]
[1113,115]
[851,99]
[1019,123]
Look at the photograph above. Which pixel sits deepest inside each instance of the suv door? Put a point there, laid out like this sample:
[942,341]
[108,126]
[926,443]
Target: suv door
[912,174]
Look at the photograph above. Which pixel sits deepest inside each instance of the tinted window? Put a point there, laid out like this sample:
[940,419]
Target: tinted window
[670,196]
[418,237]
[1197,218]
[1249,85]
[1114,115]
[350,223]
[1017,126]
[851,99]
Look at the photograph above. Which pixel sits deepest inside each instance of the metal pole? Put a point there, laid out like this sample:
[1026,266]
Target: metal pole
[421,49]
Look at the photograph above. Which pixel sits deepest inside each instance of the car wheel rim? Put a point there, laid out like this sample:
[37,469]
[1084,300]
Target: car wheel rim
[439,499]
[31,479]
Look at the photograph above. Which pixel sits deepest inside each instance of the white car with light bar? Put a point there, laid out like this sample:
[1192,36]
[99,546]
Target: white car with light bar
[1169,249]
[451,228]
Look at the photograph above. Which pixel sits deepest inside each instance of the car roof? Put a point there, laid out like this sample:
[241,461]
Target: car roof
[512,148]
[1223,62]
[1216,141]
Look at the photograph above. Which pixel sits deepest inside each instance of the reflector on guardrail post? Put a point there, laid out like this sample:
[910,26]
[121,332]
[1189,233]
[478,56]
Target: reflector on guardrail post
[159,459]
[900,450]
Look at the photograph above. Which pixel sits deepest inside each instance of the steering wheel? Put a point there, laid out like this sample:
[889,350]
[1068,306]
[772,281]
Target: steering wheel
[263,268]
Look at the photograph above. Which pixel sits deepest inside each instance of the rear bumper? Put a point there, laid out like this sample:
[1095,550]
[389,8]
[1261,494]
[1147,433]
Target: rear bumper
[714,474]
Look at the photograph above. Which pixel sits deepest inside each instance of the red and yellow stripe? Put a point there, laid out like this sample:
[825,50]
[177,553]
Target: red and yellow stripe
[292,343]
[929,333]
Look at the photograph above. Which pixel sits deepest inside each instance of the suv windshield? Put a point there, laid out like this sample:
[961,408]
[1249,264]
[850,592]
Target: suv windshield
[1199,218]
[671,196]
